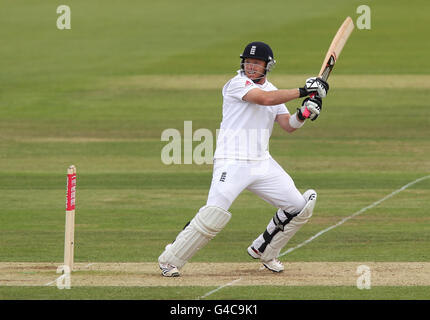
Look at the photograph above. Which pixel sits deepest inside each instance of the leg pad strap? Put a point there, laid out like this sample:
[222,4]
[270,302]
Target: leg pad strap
[285,232]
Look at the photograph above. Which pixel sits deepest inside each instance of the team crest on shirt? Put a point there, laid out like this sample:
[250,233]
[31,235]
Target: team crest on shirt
[223,176]
[247,83]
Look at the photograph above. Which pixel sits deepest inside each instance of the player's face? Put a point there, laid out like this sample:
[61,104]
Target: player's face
[254,68]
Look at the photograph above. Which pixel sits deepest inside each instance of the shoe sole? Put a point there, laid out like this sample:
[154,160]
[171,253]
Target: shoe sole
[170,275]
[174,272]
[253,257]
[273,270]
[249,253]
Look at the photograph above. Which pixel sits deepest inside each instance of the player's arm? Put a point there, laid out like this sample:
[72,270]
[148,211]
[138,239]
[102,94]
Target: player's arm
[271,98]
[284,121]
[313,85]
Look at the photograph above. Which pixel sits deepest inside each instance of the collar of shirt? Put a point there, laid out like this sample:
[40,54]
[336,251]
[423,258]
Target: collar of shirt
[262,86]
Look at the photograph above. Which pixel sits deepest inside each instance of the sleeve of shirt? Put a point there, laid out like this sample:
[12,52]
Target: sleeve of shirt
[238,87]
[282,109]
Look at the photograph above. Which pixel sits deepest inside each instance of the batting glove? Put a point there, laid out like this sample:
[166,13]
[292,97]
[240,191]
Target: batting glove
[314,85]
[310,109]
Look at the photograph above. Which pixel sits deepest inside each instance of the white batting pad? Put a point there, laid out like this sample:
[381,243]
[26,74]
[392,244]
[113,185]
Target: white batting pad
[281,238]
[205,226]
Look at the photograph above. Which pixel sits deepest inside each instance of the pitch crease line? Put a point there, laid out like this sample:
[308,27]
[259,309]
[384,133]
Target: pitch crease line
[219,288]
[52,282]
[331,227]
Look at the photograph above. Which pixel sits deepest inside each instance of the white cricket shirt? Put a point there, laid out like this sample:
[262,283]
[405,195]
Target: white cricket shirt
[246,127]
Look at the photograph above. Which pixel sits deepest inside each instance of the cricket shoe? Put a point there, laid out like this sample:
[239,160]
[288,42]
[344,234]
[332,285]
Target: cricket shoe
[254,253]
[168,270]
[273,265]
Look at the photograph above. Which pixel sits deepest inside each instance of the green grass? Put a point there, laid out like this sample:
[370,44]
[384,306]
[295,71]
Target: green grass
[231,293]
[64,99]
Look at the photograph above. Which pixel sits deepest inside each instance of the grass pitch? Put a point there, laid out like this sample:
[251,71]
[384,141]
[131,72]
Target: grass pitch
[99,96]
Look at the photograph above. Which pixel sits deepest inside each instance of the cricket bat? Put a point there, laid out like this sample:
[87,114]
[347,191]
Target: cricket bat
[336,47]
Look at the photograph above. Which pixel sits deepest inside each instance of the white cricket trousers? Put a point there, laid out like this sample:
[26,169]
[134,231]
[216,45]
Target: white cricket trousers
[265,178]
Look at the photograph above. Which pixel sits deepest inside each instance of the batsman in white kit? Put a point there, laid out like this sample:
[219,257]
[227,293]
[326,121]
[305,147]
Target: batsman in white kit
[251,105]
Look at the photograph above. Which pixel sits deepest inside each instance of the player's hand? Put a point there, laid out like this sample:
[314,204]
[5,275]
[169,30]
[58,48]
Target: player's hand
[310,109]
[314,85]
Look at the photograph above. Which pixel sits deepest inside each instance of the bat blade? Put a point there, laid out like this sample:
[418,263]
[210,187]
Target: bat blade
[336,47]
